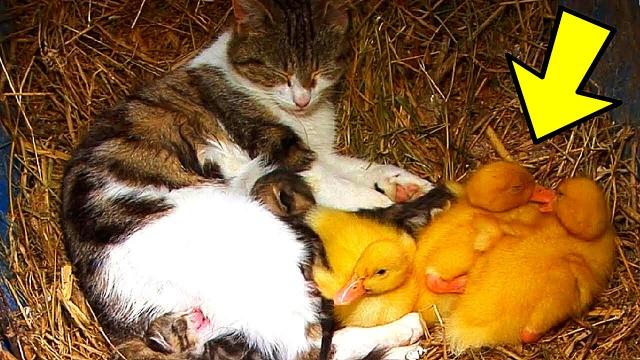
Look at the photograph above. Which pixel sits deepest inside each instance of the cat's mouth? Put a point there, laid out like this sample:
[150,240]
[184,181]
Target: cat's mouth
[298,111]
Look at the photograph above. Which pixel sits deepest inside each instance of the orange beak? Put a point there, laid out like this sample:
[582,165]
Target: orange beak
[547,207]
[350,293]
[542,194]
[546,198]
[438,285]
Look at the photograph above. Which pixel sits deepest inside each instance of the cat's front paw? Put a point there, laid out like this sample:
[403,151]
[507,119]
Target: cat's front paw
[282,147]
[356,343]
[338,192]
[398,184]
[352,343]
[410,352]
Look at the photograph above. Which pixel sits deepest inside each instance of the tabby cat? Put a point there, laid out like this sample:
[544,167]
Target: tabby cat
[156,211]
[183,336]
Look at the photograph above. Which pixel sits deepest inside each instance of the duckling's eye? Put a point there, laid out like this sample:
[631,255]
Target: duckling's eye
[381,272]
[517,188]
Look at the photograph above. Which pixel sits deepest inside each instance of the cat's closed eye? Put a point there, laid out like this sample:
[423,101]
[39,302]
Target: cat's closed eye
[290,55]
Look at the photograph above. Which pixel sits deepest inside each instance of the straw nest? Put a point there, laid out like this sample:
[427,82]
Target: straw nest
[428,90]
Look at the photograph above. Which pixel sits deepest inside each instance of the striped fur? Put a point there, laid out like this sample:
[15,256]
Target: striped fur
[156,211]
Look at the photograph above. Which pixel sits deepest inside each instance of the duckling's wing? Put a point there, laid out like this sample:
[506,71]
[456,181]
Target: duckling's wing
[327,282]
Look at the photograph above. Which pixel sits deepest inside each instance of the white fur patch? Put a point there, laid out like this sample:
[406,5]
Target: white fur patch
[214,55]
[235,165]
[225,254]
[332,189]
[354,342]
[113,189]
[243,182]
[231,158]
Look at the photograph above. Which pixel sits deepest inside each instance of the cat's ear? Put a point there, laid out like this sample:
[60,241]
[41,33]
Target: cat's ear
[250,14]
[335,14]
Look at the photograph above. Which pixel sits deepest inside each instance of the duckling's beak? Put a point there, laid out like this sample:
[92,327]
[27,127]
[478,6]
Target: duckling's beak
[438,285]
[547,207]
[542,195]
[350,293]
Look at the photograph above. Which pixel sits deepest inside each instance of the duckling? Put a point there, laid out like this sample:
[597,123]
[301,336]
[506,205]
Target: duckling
[491,203]
[528,283]
[370,273]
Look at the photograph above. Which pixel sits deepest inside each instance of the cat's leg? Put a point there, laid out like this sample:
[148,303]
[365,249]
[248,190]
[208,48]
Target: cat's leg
[355,342]
[396,183]
[244,180]
[277,145]
[332,189]
[135,348]
[409,352]
[235,165]
[412,216]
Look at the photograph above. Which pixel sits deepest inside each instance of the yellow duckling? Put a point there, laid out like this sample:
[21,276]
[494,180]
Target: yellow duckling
[371,266]
[528,283]
[492,202]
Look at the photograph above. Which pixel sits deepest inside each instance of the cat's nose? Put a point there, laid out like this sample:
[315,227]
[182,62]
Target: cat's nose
[302,99]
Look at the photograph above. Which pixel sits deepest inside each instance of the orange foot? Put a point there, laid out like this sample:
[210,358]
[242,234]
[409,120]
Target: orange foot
[440,286]
[407,192]
[529,337]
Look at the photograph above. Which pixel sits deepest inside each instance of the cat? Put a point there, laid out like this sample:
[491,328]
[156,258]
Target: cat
[156,211]
[179,337]
[183,336]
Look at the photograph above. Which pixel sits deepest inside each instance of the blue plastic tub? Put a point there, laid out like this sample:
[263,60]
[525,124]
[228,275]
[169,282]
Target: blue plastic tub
[5,187]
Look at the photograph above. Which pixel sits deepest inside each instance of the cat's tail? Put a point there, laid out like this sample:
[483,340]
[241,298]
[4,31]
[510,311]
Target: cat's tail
[413,215]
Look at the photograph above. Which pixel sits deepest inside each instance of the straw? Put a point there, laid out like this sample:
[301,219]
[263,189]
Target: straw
[428,89]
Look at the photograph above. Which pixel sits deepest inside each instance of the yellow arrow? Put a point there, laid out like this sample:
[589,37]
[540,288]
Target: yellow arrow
[553,99]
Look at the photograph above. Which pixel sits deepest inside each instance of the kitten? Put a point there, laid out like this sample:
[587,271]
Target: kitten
[156,211]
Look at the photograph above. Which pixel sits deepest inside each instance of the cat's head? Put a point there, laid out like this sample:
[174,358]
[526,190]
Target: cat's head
[290,51]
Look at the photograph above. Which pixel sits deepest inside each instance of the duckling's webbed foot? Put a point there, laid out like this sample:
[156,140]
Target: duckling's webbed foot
[284,193]
[528,337]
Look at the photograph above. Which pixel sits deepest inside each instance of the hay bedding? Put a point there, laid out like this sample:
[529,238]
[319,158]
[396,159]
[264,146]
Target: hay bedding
[428,90]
